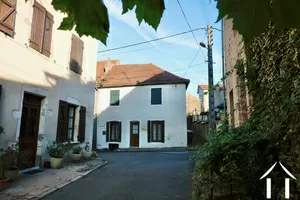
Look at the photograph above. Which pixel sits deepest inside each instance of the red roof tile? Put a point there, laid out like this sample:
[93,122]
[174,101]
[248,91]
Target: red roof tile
[205,87]
[139,74]
[102,64]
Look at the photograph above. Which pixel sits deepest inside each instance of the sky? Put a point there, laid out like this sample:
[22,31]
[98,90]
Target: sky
[174,54]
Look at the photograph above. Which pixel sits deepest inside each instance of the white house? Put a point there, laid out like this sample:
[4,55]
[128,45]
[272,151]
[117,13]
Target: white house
[46,76]
[202,90]
[141,105]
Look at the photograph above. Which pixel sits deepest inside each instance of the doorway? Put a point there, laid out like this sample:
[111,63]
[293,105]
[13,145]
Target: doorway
[29,128]
[134,134]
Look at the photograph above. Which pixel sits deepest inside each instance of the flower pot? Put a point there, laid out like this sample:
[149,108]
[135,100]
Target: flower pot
[3,183]
[87,154]
[55,162]
[12,174]
[76,157]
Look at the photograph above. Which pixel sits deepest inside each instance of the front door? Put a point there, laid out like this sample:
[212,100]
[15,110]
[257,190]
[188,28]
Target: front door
[29,128]
[134,134]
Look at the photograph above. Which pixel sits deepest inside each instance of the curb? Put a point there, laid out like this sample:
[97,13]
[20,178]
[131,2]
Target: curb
[61,185]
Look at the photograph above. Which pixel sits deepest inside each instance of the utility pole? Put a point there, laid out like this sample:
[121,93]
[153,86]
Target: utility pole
[211,106]
[223,66]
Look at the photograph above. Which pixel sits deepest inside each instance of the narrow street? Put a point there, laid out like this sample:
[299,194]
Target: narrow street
[134,176]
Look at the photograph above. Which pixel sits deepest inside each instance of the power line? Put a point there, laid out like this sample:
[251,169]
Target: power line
[173,42]
[131,45]
[190,27]
[191,62]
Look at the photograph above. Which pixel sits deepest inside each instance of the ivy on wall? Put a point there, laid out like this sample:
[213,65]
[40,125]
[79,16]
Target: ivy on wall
[271,134]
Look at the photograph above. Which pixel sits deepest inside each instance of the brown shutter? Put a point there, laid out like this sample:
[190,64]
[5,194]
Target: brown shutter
[107,131]
[162,131]
[82,122]
[62,122]
[46,50]
[7,16]
[149,131]
[37,27]
[76,55]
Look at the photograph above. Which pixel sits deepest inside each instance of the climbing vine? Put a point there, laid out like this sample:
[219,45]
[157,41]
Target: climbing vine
[271,134]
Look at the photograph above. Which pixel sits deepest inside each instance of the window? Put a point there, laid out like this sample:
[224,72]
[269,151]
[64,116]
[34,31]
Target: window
[113,131]
[71,121]
[7,16]
[76,55]
[156,131]
[41,30]
[231,107]
[155,96]
[115,97]
[66,122]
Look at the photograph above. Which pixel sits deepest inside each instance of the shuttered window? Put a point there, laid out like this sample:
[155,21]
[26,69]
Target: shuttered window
[155,96]
[7,16]
[156,131]
[113,131]
[62,122]
[41,30]
[76,55]
[66,122]
[82,122]
[115,97]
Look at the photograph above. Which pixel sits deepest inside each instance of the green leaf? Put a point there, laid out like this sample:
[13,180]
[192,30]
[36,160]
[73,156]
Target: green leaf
[89,17]
[250,18]
[149,11]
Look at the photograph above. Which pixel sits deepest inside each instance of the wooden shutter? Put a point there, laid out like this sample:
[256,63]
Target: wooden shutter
[7,16]
[82,122]
[156,96]
[107,131]
[47,38]
[62,122]
[120,130]
[163,131]
[37,26]
[149,131]
[76,55]
[114,97]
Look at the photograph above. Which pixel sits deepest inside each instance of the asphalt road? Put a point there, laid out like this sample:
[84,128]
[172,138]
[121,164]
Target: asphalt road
[134,176]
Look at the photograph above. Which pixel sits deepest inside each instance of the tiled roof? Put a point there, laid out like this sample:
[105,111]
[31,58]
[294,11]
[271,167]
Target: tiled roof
[102,64]
[139,74]
[205,87]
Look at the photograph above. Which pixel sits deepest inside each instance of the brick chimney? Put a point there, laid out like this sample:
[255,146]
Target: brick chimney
[104,66]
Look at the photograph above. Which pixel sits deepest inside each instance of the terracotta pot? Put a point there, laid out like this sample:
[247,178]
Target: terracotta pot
[76,157]
[3,183]
[12,174]
[87,154]
[56,162]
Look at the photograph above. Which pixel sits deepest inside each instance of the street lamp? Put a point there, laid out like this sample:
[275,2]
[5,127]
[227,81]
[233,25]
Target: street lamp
[203,45]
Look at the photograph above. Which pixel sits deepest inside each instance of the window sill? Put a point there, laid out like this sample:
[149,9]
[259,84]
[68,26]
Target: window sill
[113,142]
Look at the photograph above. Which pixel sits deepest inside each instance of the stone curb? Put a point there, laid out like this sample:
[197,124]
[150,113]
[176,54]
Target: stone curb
[61,185]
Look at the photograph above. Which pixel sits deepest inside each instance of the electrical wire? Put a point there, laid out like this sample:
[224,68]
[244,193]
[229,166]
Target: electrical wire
[190,27]
[141,49]
[191,62]
[148,41]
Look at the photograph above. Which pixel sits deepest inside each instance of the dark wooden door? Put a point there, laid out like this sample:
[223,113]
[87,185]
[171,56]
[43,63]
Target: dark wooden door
[29,128]
[134,134]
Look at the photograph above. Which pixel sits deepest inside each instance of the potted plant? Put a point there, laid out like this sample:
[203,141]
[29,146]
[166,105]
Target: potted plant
[87,153]
[13,158]
[3,179]
[76,153]
[56,152]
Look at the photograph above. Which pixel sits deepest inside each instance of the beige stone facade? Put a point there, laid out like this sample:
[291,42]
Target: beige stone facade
[192,105]
[236,98]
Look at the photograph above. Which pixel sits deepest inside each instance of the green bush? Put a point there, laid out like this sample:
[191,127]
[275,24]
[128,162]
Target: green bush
[271,134]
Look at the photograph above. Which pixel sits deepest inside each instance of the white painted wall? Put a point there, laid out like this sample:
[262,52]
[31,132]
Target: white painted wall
[218,96]
[135,105]
[24,69]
